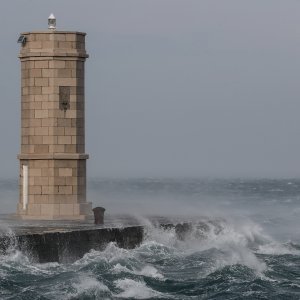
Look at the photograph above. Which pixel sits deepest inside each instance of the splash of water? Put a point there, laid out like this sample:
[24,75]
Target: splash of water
[191,262]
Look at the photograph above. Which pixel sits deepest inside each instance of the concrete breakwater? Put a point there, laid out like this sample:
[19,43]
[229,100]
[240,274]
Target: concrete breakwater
[69,243]
[73,244]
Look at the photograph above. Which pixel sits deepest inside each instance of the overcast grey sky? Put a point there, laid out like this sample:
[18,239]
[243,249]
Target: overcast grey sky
[173,87]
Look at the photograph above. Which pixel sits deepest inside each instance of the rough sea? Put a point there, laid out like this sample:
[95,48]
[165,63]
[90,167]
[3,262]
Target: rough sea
[250,248]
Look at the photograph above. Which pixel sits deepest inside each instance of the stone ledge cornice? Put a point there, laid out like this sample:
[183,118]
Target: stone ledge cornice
[52,32]
[54,156]
[52,54]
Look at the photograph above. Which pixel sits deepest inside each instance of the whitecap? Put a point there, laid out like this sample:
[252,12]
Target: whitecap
[88,286]
[149,271]
[113,253]
[91,256]
[110,254]
[118,268]
[135,289]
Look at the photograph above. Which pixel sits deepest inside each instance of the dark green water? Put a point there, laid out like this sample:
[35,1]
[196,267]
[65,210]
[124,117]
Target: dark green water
[249,250]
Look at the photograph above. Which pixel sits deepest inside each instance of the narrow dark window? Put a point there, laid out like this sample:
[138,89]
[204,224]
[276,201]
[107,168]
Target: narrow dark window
[64,97]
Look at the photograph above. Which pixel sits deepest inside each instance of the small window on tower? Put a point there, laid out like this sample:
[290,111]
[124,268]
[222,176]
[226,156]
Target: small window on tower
[64,97]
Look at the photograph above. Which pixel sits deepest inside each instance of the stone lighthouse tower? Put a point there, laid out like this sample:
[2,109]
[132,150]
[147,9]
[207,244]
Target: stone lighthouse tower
[52,157]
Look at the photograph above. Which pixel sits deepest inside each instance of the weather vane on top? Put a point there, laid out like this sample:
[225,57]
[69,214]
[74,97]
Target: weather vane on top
[52,22]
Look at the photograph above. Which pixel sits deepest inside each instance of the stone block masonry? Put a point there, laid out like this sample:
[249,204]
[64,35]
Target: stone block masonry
[53,127]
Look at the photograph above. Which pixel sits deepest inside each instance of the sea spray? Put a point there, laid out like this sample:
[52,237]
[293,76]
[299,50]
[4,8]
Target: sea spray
[202,264]
[8,239]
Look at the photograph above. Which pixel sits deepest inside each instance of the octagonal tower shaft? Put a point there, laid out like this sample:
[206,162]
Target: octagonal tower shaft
[52,157]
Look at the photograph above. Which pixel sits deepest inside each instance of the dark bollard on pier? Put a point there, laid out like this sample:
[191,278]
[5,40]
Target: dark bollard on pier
[99,215]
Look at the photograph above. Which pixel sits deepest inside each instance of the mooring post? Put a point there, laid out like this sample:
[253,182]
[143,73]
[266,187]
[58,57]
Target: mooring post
[99,215]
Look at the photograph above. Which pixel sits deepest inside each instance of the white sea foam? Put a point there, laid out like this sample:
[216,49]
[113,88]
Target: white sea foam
[20,262]
[234,241]
[110,254]
[5,230]
[166,237]
[9,237]
[274,248]
[149,271]
[91,256]
[118,268]
[17,262]
[135,289]
[238,255]
[49,266]
[88,286]
[14,256]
